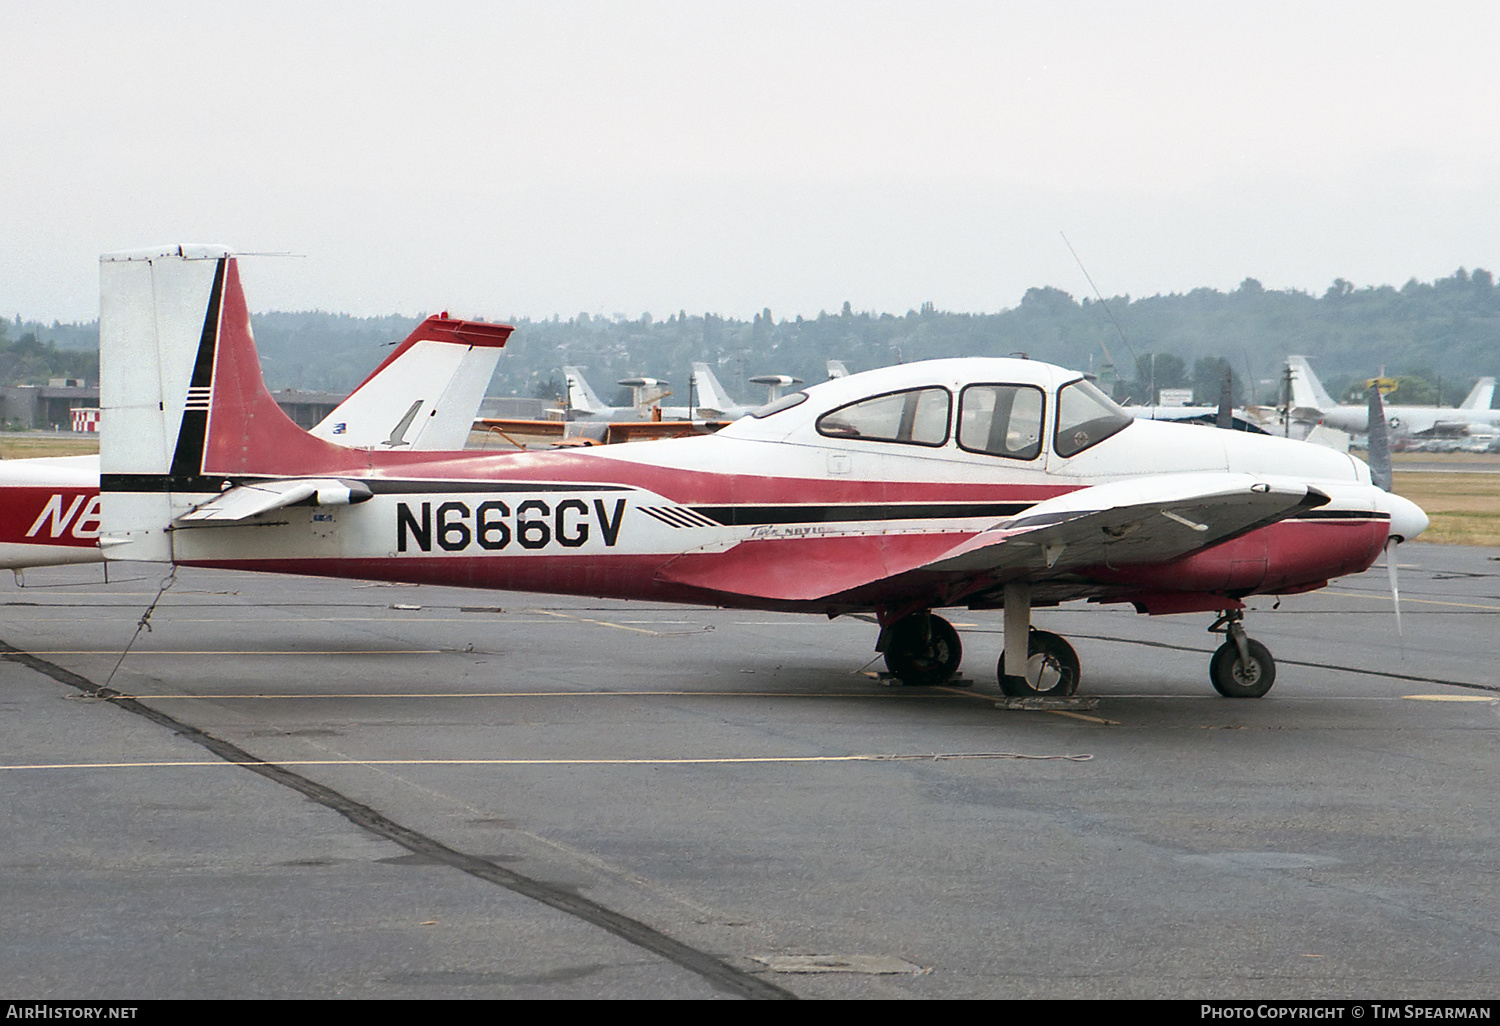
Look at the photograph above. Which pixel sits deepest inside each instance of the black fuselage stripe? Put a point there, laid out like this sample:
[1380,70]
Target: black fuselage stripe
[732,516]
[1342,514]
[381,487]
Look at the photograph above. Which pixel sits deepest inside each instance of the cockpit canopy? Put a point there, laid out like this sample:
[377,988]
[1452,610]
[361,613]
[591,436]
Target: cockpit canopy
[1005,408]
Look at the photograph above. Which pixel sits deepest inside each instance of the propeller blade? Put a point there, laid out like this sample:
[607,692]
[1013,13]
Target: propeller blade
[1390,568]
[1225,419]
[1380,442]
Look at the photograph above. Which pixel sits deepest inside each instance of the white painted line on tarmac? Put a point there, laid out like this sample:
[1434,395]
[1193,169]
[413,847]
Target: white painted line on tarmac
[702,761]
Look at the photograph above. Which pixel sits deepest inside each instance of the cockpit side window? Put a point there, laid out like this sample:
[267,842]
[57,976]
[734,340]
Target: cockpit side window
[918,416]
[1085,417]
[1001,420]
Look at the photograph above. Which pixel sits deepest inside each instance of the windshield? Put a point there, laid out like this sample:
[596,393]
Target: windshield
[1085,417]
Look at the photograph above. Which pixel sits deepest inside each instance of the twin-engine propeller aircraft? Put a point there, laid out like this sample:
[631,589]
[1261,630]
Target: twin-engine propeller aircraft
[971,482]
[423,396]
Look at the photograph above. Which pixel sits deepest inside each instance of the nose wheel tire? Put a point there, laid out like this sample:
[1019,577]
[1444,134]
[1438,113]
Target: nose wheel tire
[1233,677]
[1051,669]
[923,650]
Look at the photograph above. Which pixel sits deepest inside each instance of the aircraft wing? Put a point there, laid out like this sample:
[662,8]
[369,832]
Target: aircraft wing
[243,501]
[1146,520]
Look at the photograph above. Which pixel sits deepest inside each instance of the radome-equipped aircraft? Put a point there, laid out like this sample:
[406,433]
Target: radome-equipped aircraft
[1311,402]
[422,397]
[709,401]
[585,405]
[590,422]
[970,482]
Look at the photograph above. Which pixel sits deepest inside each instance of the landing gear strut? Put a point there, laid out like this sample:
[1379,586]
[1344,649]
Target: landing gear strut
[1049,667]
[922,649]
[1242,667]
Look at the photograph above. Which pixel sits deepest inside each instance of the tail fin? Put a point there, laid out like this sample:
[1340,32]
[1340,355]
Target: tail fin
[836,369]
[425,395]
[711,394]
[1307,390]
[1481,397]
[580,396]
[184,404]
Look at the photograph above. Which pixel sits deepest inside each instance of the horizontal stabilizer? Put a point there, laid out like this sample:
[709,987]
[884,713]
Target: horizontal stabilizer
[244,501]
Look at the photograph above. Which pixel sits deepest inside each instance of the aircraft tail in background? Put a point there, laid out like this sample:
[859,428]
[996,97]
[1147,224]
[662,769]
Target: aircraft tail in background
[1481,396]
[580,396]
[711,396]
[1307,390]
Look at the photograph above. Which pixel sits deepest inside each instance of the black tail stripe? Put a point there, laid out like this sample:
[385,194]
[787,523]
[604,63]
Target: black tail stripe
[187,461]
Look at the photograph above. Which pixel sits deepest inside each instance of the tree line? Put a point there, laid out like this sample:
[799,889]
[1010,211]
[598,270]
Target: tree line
[1435,338]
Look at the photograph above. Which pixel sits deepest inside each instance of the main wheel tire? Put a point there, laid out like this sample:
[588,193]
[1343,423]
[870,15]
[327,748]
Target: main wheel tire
[1233,679]
[1051,661]
[923,650]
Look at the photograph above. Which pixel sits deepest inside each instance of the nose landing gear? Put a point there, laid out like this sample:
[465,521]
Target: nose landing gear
[1242,667]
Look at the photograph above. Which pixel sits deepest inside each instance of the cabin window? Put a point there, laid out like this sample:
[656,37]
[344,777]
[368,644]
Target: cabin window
[918,416]
[1085,417]
[1001,420]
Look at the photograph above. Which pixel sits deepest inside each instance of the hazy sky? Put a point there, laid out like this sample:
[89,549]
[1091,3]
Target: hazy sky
[536,158]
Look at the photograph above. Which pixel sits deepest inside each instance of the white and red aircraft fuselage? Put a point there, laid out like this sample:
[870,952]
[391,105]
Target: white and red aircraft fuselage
[971,482]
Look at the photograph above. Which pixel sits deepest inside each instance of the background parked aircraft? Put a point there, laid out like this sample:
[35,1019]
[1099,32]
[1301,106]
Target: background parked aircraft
[585,405]
[1312,403]
[712,401]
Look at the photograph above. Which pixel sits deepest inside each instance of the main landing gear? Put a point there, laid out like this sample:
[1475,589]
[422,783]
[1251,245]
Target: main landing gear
[923,650]
[1242,667]
[1049,667]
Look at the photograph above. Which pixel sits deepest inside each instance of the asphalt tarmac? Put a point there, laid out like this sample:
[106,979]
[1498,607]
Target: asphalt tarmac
[337,789]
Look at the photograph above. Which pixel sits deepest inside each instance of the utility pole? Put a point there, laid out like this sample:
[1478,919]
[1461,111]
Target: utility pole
[1286,409]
